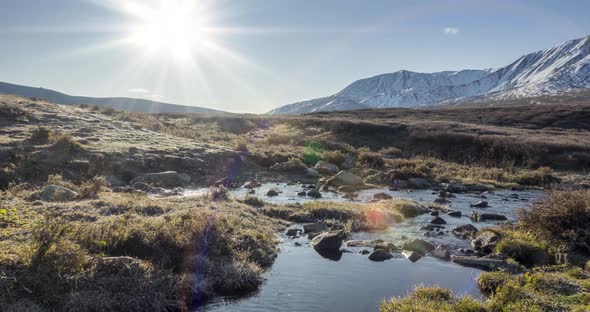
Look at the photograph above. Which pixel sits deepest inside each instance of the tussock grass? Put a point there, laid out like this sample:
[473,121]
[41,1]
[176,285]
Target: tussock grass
[431,299]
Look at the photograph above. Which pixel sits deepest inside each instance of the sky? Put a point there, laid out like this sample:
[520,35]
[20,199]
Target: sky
[255,55]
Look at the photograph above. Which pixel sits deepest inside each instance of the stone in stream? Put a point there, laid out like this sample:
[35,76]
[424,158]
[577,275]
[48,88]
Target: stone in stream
[382,196]
[328,241]
[365,252]
[454,213]
[440,253]
[380,255]
[412,255]
[346,178]
[418,245]
[434,213]
[314,193]
[419,183]
[314,227]
[293,232]
[454,187]
[437,220]
[477,217]
[487,263]
[442,201]
[301,193]
[465,230]
[364,243]
[486,241]
[251,184]
[480,204]
[346,189]
[272,193]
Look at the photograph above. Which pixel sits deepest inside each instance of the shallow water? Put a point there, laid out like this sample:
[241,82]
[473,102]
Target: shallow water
[303,280]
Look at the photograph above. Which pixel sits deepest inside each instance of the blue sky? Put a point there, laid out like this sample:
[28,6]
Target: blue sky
[267,53]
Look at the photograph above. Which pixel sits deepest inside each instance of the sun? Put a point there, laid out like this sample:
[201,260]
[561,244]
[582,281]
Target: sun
[173,29]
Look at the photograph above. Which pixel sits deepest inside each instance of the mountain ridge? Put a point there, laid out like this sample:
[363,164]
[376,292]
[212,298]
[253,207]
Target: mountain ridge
[120,103]
[557,69]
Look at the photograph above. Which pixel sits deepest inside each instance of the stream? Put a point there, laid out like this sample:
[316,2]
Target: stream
[303,280]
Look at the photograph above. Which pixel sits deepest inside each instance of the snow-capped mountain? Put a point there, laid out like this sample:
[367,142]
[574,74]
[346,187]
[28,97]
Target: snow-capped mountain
[561,68]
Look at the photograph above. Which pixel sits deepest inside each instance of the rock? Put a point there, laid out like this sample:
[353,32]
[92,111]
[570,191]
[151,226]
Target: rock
[365,252]
[326,168]
[442,201]
[314,193]
[349,162]
[382,196]
[252,184]
[380,255]
[486,241]
[430,227]
[167,179]
[54,193]
[418,245]
[114,181]
[293,232]
[297,244]
[346,189]
[486,263]
[364,243]
[346,178]
[476,217]
[438,220]
[272,193]
[434,213]
[479,187]
[445,194]
[419,183]
[400,184]
[225,182]
[251,192]
[455,213]
[314,228]
[440,253]
[412,255]
[312,172]
[327,241]
[480,204]
[301,193]
[465,230]
[454,187]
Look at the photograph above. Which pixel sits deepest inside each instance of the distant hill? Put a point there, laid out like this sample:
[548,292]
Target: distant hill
[563,68]
[120,103]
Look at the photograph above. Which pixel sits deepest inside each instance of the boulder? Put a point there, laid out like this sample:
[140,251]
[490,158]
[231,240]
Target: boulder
[455,213]
[400,184]
[168,179]
[480,204]
[419,183]
[487,263]
[380,255]
[486,241]
[293,232]
[251,184]
[442,201]
[465,230]
[314,193]
[454,187]
[56,193]
[272,193]
[438,220]
[348,163]
[114,181]
[412,255]
[312,172]
[301,193]
[346,178]
[477,217]
[418,245]
[440,253]
[434,213]
[330,241]
[382,196]
[314,227]
[326,168]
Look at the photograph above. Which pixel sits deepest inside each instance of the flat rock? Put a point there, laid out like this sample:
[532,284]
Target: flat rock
[418,245]
[345,177]
[380,255]
[486,263]
[412,255]
[325,167]
[57,193]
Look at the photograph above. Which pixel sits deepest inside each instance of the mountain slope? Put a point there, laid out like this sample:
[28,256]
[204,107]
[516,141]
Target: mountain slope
[561,68]
[120,103]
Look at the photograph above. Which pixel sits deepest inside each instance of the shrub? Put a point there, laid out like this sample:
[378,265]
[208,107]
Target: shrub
[390,151]
[334,157]
[490,282]
[562,217]
[541,176]
[312,153]
[40,135]
[371,159]
[253,201]
[64,142]
[92,187]
[220,193]
[431,299]
[523,248]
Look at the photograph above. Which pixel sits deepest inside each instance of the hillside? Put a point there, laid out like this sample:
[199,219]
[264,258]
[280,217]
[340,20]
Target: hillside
[120,103]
